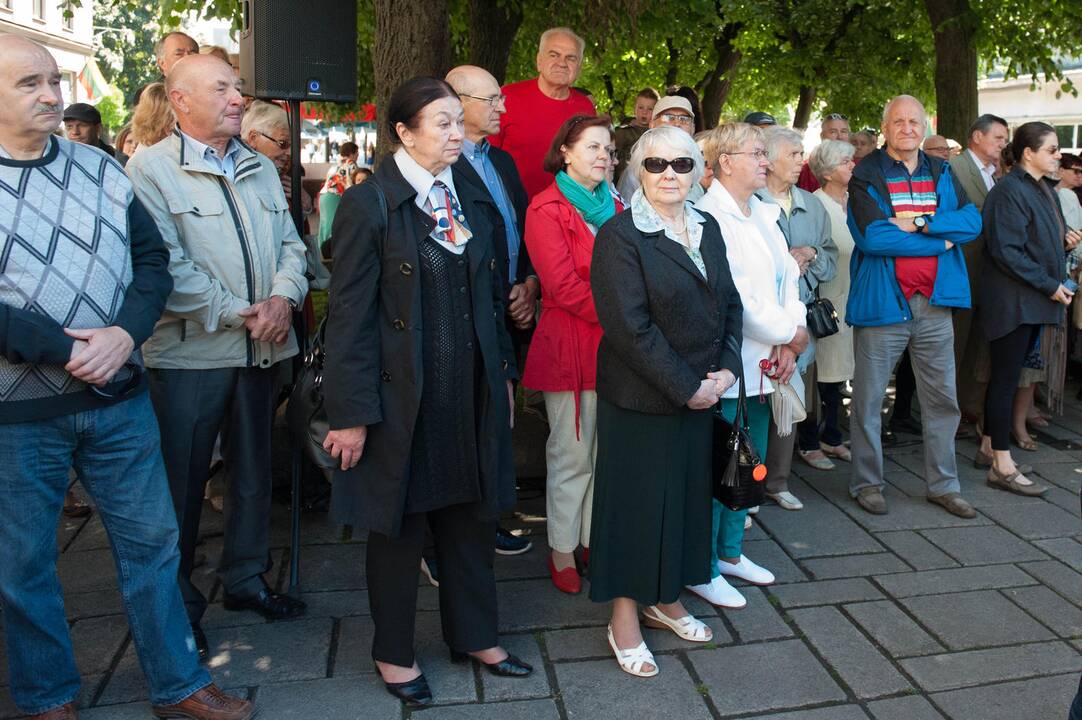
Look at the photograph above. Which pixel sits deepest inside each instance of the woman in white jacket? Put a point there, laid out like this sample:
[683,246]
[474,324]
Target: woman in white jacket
[766,276]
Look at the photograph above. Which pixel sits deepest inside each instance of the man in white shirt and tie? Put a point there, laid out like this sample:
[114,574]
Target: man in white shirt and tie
[975,168]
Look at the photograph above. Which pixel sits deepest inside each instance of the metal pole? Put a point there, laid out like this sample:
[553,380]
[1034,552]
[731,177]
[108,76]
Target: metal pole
[302,339]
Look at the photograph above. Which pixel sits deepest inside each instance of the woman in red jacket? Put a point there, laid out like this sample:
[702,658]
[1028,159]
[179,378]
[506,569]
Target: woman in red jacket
[560,226]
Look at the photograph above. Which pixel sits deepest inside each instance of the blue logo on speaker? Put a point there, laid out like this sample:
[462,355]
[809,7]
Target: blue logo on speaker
[315,87]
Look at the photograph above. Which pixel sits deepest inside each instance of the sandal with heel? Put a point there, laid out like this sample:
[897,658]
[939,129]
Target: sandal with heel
[631,661]
[686,628]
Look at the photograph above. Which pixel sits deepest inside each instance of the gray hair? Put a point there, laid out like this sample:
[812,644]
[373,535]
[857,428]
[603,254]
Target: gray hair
[904,98]
[551,32]
[776,138]
[726,139]
[159,47]
[829,155]
[674,138]
[263,117]
[984,123]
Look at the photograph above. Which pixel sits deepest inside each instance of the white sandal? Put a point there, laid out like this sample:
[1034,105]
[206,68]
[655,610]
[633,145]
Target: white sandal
[687,627]
[631,661]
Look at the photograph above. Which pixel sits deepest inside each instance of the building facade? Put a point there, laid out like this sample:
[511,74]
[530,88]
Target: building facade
[66,30]
[1015,102]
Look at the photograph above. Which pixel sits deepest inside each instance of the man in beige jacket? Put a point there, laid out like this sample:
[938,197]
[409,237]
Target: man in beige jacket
[238,272]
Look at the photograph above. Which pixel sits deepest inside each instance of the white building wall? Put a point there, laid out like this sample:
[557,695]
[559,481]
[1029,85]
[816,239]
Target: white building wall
[1015,102]
[69,41]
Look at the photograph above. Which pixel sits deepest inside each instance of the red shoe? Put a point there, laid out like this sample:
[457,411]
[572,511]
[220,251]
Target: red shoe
[566,580]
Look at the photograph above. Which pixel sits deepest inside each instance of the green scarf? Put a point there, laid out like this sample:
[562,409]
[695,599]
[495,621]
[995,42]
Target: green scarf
[596,207]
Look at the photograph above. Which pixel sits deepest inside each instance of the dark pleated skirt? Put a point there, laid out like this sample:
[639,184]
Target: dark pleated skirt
[651,518]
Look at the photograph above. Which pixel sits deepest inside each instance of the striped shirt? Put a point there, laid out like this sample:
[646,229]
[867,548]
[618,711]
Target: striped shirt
[912,195]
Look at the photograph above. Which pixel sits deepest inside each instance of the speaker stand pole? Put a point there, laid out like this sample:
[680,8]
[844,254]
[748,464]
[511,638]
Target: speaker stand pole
[297,457]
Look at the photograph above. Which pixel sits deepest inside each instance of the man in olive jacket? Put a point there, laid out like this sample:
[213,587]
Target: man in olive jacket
[238,271]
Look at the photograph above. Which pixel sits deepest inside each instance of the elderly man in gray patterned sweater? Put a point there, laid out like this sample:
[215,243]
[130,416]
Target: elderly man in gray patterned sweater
[83,279]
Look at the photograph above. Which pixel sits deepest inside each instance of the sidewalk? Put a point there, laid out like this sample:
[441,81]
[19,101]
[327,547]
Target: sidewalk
[915,615]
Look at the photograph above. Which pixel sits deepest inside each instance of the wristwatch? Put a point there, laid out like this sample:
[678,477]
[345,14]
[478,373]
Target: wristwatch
[920,222]
[289,301]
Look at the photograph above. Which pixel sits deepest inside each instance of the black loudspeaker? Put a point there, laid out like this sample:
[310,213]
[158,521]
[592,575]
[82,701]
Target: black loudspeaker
[299,50]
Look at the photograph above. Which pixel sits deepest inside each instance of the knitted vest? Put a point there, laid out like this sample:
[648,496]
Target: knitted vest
[65,251]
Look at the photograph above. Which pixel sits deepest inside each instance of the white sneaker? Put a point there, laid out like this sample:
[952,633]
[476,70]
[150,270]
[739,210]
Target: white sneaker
[753,510]
[787,500]
[719,592]
[747,522]
[747,570]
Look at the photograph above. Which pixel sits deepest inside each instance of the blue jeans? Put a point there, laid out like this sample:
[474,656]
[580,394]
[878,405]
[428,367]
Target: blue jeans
[115,453]
[728,525]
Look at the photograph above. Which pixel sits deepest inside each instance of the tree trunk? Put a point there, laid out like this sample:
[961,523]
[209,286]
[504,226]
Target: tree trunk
[408,43]
[804,106]
[954,25]
[493,26]
[717,88]
[672,73]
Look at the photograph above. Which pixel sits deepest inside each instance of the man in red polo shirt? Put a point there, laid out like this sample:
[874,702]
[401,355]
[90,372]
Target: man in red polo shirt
[537,108]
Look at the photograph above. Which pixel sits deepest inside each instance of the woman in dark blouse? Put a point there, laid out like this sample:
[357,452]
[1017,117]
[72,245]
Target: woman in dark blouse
[671,317]
[1023,286]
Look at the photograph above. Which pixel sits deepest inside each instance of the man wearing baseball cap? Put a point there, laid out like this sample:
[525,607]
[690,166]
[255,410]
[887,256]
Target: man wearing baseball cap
[671,110]
[82,124]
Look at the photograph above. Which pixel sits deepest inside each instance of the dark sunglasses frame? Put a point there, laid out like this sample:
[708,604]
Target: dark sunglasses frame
[656,165]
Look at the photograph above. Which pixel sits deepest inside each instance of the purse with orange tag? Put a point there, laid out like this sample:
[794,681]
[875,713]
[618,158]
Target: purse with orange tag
[739,473]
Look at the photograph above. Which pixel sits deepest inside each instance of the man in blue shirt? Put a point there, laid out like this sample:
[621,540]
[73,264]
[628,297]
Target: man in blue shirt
[493,170]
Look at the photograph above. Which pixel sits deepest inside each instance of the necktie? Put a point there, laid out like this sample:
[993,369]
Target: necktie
[450,220]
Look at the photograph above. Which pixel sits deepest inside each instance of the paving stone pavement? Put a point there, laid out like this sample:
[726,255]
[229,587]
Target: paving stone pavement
[916,615]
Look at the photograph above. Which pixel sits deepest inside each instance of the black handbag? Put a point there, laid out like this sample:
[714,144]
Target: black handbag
[739,473]
[822,317]
[306,415]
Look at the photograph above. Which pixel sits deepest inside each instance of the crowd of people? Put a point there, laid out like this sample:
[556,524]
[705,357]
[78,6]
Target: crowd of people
[641,278]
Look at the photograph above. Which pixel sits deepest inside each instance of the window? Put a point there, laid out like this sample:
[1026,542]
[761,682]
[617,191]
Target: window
[67,14]
[5,4]
[1065,135]
[39,10]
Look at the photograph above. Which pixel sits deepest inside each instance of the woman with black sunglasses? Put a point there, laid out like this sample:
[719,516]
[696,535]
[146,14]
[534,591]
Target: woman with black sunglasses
[671,318]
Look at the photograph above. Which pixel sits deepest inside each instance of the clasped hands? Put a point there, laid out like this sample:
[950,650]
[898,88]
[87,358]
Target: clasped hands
[269,320]
[98,353]
[711,389]
[906,224]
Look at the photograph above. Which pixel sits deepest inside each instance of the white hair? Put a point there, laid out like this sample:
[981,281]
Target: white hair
[905,98]
[671,137]
[829,155]
[552,32]
[776,137]
[264,117]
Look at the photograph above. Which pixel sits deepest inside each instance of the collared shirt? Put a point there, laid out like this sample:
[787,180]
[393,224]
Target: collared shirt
[226,164]
[422,181]
[647,220]
[477,155]
[988,172]
[912,195]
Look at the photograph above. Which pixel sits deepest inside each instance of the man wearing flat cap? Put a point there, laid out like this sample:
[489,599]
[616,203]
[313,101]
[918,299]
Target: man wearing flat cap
[672,110]
[760,119]
[82,124]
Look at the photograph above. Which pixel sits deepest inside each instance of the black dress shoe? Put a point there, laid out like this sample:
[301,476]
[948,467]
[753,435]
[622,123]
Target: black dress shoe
[200,642]
[270,605]
[415,693]
[510,666]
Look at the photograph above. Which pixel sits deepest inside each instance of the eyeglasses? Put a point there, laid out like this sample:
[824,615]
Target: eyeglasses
[494,101]
[757,154]
[682,119]
[655,165]
[282,144]
[836,116]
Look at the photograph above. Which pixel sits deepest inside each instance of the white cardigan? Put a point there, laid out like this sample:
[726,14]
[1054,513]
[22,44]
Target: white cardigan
[766,321]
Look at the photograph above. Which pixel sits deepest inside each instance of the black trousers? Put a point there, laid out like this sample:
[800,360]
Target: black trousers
[465,551]
[1008,353]
[193,406]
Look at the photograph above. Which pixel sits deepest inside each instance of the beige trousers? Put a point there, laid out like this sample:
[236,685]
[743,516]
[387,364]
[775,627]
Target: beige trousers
[569,488]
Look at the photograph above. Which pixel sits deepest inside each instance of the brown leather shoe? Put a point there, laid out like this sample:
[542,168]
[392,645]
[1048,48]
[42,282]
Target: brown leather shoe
[66,711]
[210,703]
[954,504]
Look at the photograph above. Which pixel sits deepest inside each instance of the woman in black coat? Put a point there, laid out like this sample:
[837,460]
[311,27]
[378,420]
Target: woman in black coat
[672,320]
[1022,289]
[417,386]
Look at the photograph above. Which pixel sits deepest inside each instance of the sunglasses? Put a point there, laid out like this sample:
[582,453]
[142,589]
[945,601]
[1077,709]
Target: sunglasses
[282,144]
[836,116]
[655,165]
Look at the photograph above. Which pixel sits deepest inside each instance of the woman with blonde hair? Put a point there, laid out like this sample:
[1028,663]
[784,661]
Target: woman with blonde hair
[153,118]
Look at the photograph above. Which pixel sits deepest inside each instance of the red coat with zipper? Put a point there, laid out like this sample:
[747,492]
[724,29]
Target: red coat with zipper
[563,350]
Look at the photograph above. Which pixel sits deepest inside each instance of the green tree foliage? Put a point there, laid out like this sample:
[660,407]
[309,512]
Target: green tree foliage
[113,113]
[127,32]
